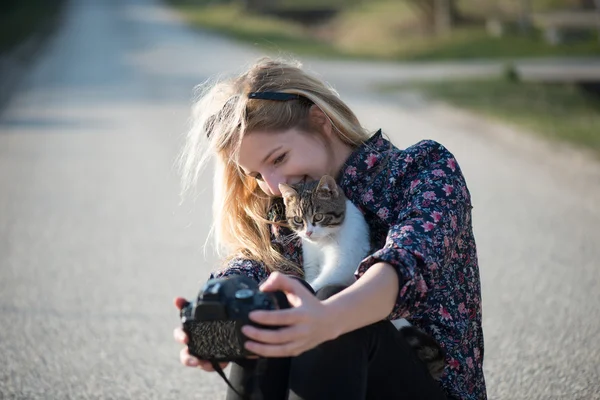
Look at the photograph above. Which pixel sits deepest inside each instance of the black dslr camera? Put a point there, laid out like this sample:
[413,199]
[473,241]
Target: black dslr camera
[213,322]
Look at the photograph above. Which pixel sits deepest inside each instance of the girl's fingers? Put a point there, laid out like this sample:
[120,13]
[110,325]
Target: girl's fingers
[278,336]
[180,336]
[289,316]
[273,350]
[187,359]
[278,281]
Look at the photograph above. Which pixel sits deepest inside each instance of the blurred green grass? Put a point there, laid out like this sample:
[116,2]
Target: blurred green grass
[562,112]
[379,29]
[19,19]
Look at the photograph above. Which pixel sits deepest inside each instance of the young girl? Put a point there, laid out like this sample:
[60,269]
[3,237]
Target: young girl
[277,124]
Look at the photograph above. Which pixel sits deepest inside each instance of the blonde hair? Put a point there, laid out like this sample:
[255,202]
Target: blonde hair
[222,116]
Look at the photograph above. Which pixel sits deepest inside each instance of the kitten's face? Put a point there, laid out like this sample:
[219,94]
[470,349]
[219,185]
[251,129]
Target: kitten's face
[314,210]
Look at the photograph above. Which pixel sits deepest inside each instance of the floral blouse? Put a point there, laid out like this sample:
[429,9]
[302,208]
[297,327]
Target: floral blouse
[418,209]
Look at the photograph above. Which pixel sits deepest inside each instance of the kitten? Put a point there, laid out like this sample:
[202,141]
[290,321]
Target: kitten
[334,233]
[335,239]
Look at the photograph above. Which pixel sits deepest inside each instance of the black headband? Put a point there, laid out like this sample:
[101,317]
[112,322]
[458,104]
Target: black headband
[276,96]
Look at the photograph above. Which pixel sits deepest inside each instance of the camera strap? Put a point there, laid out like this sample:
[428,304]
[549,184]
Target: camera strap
[255,387]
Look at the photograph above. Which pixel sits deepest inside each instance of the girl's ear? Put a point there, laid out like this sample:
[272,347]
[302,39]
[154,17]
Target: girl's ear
[319,120]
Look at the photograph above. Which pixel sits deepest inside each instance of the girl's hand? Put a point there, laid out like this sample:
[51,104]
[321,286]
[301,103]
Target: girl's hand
[306,325]
[184,355]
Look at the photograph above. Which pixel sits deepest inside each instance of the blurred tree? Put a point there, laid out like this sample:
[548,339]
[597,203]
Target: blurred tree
[437,16]
[525,16]
[258,5]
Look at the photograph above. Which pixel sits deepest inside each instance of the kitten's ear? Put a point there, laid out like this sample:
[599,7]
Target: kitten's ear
[287,190]
[327,188]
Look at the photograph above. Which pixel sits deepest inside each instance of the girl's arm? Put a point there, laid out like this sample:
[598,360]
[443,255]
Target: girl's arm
[311,322]
[368,300]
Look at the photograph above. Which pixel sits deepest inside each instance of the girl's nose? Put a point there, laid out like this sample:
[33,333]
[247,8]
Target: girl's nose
[272,183]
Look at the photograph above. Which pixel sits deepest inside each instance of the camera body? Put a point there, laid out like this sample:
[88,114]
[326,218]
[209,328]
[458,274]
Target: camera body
[213,322]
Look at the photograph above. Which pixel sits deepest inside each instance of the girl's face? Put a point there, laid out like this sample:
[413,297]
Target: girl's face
[290,156]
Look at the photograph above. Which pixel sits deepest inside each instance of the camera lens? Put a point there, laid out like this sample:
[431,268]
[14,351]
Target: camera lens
[244,294]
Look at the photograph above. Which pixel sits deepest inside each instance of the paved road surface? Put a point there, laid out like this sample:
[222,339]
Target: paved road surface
[94,244]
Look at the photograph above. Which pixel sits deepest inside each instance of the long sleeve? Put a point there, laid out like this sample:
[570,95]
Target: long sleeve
[426,204]
[418,209]
[254,270]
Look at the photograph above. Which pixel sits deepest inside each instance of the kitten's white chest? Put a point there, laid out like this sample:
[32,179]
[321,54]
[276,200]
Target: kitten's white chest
[333,260]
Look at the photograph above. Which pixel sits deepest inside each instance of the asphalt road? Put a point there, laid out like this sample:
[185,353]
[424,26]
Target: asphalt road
[94,242]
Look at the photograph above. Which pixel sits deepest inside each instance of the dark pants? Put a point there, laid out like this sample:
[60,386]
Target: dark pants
[373,362]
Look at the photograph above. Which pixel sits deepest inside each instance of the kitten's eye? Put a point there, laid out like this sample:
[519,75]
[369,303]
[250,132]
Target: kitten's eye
[298,220]
[318,217]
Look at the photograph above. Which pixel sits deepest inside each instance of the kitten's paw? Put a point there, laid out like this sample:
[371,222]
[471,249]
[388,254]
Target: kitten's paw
[427,349]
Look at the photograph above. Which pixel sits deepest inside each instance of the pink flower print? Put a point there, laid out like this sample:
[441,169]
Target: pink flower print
[368,196]
[438,172]
[408,158]
[428,226]
[448,189]
[371,160]
[407,228]
[462,309]
[414,184]
[453,363]
[403,291]
[477,353]
[429,195]
[421,286]
[383,213]
[437,216]
[451,163]
[444,313]
[351,170]
[470,362]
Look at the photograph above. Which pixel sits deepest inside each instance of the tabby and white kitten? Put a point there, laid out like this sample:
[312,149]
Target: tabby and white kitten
[335,239]
[334,233]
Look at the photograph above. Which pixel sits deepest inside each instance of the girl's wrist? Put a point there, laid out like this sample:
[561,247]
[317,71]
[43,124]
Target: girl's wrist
[368,300]
[336,317]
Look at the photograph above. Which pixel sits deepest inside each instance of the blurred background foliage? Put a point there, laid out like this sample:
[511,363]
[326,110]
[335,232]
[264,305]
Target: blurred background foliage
[19,19]
[556,108]
[407,29]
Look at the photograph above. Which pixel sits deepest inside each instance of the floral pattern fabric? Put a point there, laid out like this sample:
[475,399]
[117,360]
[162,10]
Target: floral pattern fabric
[418,209]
